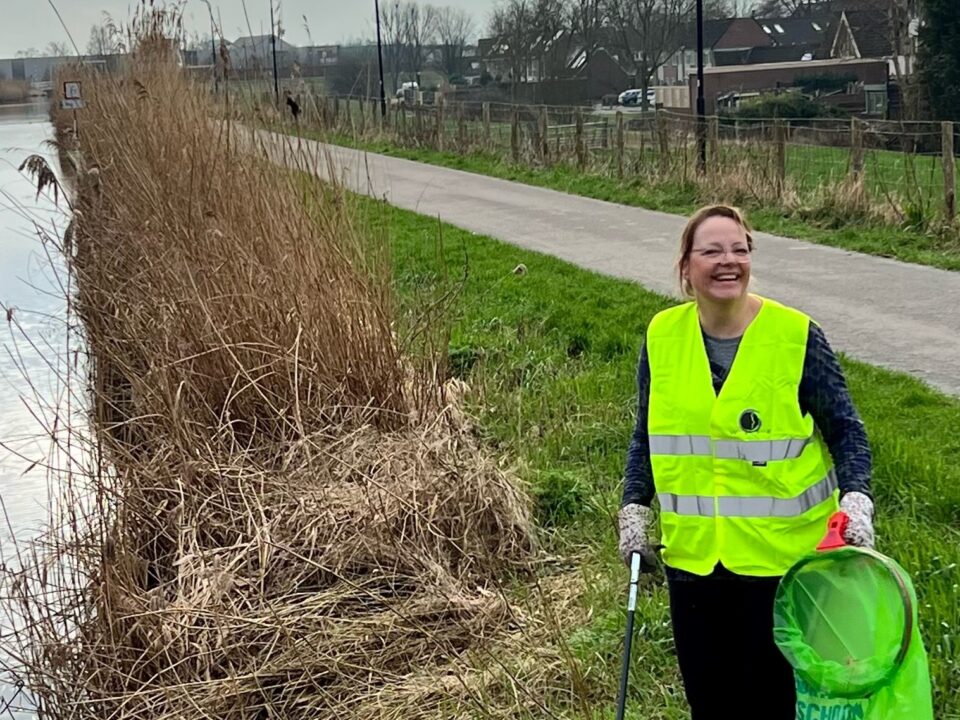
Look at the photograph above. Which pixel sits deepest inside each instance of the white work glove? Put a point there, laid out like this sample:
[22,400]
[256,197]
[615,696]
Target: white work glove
[634,520]
[859,510]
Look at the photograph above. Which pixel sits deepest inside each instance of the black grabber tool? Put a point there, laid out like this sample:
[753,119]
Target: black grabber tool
[628,638]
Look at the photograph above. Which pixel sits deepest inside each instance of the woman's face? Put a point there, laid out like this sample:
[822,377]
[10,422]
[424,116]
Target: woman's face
[718,268]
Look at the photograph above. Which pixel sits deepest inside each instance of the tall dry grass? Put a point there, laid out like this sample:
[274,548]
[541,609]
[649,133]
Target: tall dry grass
[272,508]
[14,91]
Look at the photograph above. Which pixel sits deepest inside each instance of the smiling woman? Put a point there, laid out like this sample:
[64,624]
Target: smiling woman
[714,268]
[747,436]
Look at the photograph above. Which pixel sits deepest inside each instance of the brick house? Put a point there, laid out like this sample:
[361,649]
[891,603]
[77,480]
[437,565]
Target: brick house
[722,40]
[868,33]
[867,75]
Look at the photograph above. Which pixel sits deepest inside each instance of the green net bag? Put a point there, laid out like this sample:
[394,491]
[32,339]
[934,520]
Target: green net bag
[846,620]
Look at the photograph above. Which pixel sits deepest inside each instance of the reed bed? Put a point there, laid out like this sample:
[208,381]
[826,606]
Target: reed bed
[271,505]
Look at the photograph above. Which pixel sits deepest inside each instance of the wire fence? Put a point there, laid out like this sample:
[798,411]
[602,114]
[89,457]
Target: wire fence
[896,170]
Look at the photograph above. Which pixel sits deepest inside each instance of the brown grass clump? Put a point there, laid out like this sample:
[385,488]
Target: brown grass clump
[275,513]
[14,91]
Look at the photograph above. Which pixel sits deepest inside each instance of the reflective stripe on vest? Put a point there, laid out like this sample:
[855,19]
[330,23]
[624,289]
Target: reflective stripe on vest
[756,507]
[751,450]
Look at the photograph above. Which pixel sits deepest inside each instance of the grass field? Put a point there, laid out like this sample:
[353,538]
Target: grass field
[916,179]
[551,355]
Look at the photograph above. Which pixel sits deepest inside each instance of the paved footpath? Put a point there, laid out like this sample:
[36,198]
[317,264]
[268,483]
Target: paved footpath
[893,314]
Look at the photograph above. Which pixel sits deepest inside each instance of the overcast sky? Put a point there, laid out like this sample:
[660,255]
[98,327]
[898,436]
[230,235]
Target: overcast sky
[32,23]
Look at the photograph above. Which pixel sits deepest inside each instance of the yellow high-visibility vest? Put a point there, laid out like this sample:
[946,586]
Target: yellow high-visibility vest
[743,477]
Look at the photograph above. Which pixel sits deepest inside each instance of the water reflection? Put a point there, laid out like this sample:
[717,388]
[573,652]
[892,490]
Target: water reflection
[32,338]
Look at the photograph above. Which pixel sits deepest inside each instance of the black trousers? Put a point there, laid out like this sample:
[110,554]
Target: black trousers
[731,667]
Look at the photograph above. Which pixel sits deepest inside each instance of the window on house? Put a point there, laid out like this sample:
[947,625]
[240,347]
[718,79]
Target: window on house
[876,99]
[778,27]
[816,26]
[766,29]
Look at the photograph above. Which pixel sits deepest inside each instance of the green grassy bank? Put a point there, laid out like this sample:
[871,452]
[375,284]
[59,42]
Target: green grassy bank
[550,356]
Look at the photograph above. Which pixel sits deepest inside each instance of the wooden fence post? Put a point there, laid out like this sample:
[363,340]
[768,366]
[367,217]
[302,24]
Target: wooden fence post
[486,124]
[713,139]
[620,143]
[515,136]
[948,160]
[780,142]
[402,125]
[348,119]
[856,150]
[363,117]
[461,129]
[439,122]
[578,137]
[336,113]
[542,140]
[664,139]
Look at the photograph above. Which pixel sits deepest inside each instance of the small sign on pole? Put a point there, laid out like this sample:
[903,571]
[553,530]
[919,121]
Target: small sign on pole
[72,97]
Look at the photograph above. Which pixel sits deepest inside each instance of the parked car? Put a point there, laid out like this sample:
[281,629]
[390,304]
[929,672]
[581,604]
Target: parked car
[632,97]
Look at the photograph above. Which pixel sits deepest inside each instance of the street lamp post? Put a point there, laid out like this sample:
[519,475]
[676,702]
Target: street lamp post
[701,103]
[213,48]
[383,92]
[273,43]
[213,57]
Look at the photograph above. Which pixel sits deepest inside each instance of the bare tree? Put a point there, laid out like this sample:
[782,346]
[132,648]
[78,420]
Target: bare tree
[649,33]
[586,19]
[550,37]
[454,28]
[105,39]
[784,8]
[901,16]
[513,27]
[28,53]
[57,49]
[391,26]
[720,9]
[419,30]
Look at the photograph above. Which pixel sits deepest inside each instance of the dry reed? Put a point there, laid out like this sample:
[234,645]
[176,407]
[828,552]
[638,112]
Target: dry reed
[276,511]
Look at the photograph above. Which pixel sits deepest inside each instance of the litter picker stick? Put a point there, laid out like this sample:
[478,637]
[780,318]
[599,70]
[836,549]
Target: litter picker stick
[628,638]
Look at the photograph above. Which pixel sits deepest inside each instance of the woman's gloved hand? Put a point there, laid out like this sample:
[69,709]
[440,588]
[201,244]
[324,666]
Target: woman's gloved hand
[859,510]
[634,520]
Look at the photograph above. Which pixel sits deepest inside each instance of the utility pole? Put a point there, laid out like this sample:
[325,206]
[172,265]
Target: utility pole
[213,48]
[213,58]
[701,103]
[383,92]
[273,42]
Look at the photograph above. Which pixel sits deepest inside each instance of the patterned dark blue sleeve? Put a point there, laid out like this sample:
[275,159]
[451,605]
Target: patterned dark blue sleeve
[638,484]
[824,395]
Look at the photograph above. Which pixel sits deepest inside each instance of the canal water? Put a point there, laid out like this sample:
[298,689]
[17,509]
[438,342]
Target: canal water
[29,342]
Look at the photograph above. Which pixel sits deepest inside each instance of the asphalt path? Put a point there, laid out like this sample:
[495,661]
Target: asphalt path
[892,314]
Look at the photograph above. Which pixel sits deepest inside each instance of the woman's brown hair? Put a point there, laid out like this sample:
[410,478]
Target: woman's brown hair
[694,223]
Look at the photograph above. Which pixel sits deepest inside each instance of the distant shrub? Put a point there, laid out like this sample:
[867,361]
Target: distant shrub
[14,91]
[786,105]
